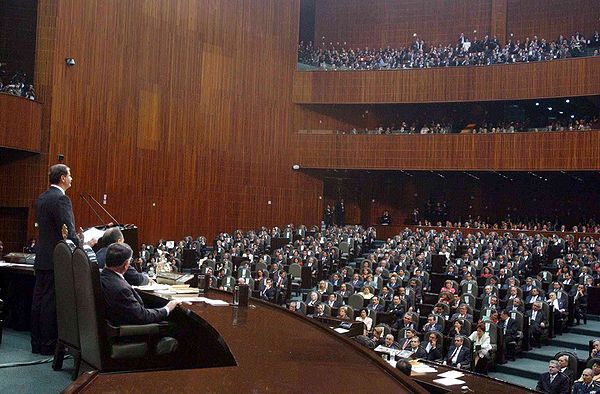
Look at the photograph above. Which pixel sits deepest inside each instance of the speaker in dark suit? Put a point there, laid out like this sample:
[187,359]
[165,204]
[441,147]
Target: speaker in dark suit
[53,211]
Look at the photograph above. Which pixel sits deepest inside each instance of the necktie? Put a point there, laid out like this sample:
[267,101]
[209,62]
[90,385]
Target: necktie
[552,378]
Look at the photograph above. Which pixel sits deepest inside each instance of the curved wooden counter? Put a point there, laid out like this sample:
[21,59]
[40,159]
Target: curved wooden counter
[20,123]
[275,351]
[554,78]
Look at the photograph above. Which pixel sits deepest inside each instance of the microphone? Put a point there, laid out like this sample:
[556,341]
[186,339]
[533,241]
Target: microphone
[105,211]
[92,208]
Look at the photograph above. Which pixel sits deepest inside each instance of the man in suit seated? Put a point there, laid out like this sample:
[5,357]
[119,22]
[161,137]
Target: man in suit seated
[344,291]
[587,385]
[553,381]
[510,329]
[319,311]
[431,325]
[268,293]
[458,355]
[375,306]
[538,321]
[534,295]
[416,348]
[389,342]
[434,352]
[563,362]
[333,301]
[114,235]
[404,343]
[123,305]
[462,314]
[517,305]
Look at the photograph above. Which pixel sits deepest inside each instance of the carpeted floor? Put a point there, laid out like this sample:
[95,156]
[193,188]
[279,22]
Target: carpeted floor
[39,378]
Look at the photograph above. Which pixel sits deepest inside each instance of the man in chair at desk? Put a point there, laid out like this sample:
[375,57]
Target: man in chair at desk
[123,304]
[553,381]
[114,235]
[458,355]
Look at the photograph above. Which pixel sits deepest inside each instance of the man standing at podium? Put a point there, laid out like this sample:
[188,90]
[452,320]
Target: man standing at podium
[53,211]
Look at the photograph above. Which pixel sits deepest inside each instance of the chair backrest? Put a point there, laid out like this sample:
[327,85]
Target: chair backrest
[492,330]
[546,276]
[261,266]
[66,306]
[295,271]
[209,263]
[90,310]
[444,306]
[518,316]
[468,299]
[572,365]
[356,301]
[302,308]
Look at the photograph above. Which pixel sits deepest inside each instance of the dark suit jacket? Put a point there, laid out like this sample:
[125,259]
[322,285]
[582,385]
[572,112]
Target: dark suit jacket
[560,385]
[570,374]
[377,308]
[53,209]
[268,294]
[464,356]
[580,388]
[419,353]
[511,329]
[434,354]
[132,277]
[123,305]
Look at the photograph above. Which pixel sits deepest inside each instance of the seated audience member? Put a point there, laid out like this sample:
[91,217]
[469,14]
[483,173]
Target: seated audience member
[534,295]
[114,235]
[517,305]
[560,312]
[431,325]
[404,366]
[366,293]
[406,322]
[343,313]
[434,352]
[268,293]
[445,298]
[405,342]
[293,306]
[322,289]
[458,355]
[580,299]
[481,348]
[123,305]
[595,352]
[375,306]
[319,310]
[586,384]
[538,321]
[457,329]
[416,348]
[313,299]
[345,292]
[553,381]
[389,342]
[462,314]
[509,327]
[563,362]
[529,285]
[448,287]
[386,294]
[368,322]
[333,301]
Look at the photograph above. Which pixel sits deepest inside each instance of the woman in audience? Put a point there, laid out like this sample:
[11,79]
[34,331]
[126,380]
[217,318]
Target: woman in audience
[343,313]
[366,293]
[445,298]
[368,322]
[259,278]
[434,352]
[448,287]
[481,347]
[457,329]
[486,272]
[322,287]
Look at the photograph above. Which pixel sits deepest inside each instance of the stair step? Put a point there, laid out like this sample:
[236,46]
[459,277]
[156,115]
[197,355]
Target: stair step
[526,368]
[521,381]
[587,331]
[545,353]
[568,344]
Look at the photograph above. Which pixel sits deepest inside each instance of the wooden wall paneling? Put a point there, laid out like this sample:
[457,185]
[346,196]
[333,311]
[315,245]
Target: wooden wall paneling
[550,18]
[500,152]
[379,23]
[20,123]
[171,114]
[499,20]
[559,78]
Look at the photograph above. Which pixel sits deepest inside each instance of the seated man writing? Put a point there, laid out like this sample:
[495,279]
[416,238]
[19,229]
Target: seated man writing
[123,304]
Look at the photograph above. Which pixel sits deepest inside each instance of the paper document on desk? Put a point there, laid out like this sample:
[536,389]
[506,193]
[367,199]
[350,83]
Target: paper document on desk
[152,287]
[92,233]
[5,264]
[340,330]
[449,381]
[423,368]
[190,299]
[452,374]
[214,302]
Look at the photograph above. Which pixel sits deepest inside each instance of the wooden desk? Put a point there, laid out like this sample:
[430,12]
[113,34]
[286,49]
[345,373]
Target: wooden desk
[275,350]
[477,383]
[16,289]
